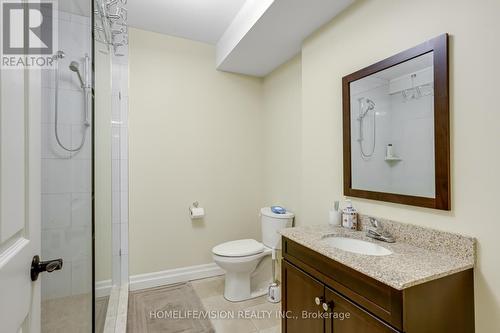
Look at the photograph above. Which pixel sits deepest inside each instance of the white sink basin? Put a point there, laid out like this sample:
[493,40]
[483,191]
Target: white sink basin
[357,246]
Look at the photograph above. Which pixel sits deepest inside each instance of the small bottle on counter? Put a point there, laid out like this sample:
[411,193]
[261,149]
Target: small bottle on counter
[350,216]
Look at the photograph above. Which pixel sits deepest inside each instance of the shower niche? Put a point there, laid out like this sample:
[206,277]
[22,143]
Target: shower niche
[396,128]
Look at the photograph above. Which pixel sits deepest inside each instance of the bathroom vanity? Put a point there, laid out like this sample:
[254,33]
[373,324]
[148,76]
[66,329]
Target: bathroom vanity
[414,289]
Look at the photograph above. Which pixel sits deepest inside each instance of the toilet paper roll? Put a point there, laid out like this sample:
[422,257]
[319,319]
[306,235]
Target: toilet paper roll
[196,212]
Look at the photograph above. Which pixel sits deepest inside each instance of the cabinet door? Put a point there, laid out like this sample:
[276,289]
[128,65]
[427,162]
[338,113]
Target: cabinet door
[299,301]
[346,317]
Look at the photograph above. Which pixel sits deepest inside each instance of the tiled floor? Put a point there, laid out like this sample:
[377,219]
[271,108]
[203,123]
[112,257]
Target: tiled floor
[68,314]
[211,292]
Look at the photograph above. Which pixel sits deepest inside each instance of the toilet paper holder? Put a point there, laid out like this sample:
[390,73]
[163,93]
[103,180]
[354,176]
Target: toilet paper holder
[195,211]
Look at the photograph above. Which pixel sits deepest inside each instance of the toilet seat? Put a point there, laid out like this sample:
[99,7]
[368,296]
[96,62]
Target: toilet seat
[239,248]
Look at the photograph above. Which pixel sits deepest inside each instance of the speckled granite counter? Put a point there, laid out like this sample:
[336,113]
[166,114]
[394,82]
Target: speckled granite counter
[419,254]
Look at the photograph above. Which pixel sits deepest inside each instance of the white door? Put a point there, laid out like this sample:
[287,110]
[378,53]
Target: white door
[19,199]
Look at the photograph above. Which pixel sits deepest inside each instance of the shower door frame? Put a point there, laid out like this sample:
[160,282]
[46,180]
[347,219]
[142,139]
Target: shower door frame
[92,156]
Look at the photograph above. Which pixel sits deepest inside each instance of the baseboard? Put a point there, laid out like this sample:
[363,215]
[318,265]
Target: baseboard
[103,288]
[184,274]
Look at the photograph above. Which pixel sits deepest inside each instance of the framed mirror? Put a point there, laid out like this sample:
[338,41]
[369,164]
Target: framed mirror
[396,128]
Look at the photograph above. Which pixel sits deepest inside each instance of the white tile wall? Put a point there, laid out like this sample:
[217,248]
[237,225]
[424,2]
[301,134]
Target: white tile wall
[66,182]
[119,147]
[66,177]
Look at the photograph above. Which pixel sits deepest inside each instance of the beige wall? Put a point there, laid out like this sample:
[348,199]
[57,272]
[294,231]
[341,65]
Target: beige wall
[195,134]
[371,31]
[282,125]
[170,75]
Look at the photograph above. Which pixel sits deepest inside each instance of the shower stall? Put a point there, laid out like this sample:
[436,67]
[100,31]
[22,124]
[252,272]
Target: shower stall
[84,192]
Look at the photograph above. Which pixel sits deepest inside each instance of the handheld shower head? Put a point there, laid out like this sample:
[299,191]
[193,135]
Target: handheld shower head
[75,67]
[371,104]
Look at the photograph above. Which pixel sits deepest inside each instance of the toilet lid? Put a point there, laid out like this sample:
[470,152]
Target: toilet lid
[238,248]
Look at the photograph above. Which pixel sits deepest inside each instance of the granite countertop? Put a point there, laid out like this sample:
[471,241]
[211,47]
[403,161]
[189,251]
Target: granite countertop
[419,254]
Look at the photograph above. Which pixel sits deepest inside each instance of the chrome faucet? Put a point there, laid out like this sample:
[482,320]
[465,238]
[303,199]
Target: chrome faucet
[376,231]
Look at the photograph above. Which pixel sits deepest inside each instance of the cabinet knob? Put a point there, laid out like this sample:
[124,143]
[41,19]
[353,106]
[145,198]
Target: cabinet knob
[327,306]
[318,300]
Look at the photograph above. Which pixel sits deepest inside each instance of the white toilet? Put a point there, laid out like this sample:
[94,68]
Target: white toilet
[240,258]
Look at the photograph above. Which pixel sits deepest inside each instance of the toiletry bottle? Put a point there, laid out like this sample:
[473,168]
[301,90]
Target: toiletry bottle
[349,216]
[334,216]
[389,153]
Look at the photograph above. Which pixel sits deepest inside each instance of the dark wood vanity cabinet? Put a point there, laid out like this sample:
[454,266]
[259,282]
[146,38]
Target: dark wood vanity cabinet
[321,295]
[300,303]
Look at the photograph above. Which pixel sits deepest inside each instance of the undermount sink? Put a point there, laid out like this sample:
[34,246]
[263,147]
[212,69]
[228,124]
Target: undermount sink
[357,246]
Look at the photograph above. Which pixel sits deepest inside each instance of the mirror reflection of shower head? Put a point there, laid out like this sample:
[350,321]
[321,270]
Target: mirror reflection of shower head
[370,105]
[75,67]
[366,105]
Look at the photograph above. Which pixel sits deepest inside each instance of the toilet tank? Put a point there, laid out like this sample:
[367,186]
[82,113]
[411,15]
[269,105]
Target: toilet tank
[271,225]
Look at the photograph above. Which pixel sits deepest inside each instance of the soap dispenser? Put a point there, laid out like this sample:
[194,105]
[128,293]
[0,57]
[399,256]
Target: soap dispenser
[349,216]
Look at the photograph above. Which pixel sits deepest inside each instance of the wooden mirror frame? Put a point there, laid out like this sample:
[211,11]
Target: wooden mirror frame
[442,199]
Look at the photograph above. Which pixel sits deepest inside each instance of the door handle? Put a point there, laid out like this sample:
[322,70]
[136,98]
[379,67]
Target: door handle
[48,266]
[318,300]
[327,306]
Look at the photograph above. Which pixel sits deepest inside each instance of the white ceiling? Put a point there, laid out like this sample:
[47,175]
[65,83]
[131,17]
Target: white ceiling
[200,20]
[252,37]
[275,36]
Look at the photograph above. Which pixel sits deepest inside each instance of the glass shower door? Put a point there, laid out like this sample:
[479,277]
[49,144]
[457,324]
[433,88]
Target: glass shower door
[67,295]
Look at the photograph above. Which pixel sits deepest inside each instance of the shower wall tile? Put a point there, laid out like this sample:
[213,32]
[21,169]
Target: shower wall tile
[124,207]
[81,276]
[115,110]
[123,174]
[48,80]
[81,172]
[56,211]
[124,269]
[64,16]
[56,176]
[66,178]
[120,167]
[124,238]
[56,244]
[116,209]
[116,272]
[124,143]
[115,177]
[115,142]
[78,240]
[81,209]
[80,19]
[116,239]
[50,148]
[78,132]
[65,39]
[57,284]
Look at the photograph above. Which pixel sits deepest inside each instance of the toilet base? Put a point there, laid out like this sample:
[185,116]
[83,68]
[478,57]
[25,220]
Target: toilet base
[233,294]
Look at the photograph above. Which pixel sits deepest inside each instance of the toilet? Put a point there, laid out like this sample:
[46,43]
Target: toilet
[240,258]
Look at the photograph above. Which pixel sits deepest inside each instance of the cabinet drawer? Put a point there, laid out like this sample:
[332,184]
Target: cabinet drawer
[377,298]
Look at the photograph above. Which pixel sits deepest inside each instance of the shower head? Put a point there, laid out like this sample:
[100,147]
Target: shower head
[371,104]
[75,67]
